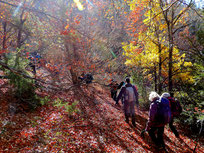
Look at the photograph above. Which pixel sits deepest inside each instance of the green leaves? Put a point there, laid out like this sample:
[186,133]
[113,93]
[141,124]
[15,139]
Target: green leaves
[69,108]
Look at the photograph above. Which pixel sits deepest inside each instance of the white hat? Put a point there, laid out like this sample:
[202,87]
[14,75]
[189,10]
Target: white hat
[165,95]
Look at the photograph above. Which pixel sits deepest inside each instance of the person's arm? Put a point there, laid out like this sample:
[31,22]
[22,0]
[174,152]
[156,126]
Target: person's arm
[152,113]
[136,95]
[120,95]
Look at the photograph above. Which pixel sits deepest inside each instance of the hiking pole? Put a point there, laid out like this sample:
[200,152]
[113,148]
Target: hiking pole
[142,134]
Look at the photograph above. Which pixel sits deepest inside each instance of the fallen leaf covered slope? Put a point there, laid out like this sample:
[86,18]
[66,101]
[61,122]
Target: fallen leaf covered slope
[98,126]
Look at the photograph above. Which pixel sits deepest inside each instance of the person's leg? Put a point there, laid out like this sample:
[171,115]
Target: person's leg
[127,118]
[173,128]
[114,95]
[160,138]
[126,112]
[152,134]
[134,120]
[132,112]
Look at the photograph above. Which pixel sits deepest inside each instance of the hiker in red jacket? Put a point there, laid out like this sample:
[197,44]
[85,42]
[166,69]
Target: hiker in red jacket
[129,97]
[175,111]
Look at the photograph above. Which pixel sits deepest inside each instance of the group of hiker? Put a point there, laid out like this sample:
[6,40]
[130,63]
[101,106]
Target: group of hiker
[163,109]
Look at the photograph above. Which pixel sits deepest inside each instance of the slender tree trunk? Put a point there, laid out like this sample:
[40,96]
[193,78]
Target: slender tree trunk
[160,70]
[4,36]
[70,45]
[155,78]
[170,61]
[19,37]
[4,41]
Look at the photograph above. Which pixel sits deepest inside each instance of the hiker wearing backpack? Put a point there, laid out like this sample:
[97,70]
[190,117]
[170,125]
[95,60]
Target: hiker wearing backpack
[113,88]
[88,78]
[159,116]
[129,97]
[176,110]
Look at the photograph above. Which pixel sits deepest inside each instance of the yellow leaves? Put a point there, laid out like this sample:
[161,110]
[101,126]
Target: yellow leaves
[131,4]
[188,64]
[146,20]
[136,55]
[184,76]
[79,5]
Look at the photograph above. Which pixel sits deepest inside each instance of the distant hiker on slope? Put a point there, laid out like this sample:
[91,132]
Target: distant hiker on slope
[159,116]
[113,89]
[88,78]
[129,96]
[176,110]
[121,85]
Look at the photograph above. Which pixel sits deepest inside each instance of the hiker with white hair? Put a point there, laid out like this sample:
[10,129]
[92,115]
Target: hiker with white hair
[159,116]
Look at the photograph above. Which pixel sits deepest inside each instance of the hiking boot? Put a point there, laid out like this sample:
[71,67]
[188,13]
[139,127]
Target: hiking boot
[161,147]
[177,135]
[133,121]
[134,124]
[127,119]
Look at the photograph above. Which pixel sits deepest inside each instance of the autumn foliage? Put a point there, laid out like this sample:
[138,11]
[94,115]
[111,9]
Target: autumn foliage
[46,46]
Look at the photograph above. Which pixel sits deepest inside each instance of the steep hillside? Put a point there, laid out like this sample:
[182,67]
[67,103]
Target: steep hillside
[97,126]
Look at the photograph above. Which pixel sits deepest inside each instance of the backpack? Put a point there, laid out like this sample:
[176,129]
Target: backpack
[129,94]
[163,113]
[88,78]
[175,105]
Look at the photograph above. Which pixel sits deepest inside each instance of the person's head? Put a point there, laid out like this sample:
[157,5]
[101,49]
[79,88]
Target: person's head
[165,95]
[127,80]
[122,83]
[153,95]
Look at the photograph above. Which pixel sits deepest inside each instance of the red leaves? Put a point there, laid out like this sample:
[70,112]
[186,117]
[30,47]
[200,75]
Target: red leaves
[2,51]
[65,32]
[102,129]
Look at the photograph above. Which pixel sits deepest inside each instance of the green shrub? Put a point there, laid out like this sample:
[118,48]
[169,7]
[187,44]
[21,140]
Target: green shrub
[45,100]
[140,82]
[68,108]
[23,88]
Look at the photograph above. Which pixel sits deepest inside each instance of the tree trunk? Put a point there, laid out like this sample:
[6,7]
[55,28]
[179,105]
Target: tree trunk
[160,70]
[155,77]
[19,37]
[4,42]
[4,36]
[170,61]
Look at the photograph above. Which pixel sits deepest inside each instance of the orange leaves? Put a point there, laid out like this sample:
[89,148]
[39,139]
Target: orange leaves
[77,21]
[93,66]
[67,26]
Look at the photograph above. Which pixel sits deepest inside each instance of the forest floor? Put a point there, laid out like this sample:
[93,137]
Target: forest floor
[97,126]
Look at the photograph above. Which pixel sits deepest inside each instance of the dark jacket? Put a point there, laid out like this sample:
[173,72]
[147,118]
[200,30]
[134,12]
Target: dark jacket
[113,85]
[122,93]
